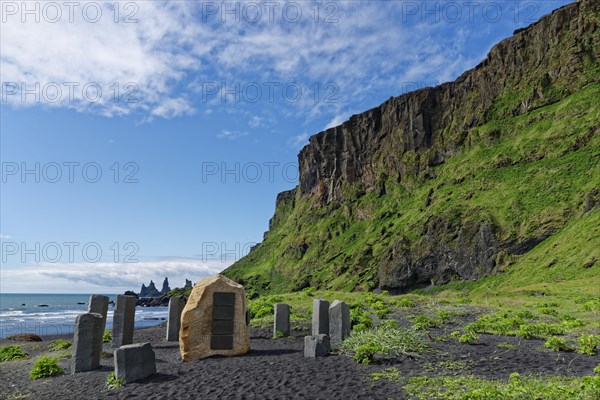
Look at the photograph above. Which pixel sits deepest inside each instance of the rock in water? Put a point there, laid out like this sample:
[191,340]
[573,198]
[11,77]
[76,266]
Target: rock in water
[149,291]
[165,287]
[213,321]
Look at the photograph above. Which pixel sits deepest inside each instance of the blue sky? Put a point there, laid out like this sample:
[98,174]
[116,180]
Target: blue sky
[193,113]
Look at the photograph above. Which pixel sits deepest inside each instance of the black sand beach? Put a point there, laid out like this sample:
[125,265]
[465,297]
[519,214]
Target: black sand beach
[277,369]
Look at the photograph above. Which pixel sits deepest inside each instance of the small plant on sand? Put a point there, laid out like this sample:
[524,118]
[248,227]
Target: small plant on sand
[405,302]
[107,336]
[590,387]
[59,344]
[112,382]
[389,374]
[422,322]
[45,367]
[359,318]
[469,337]
[588,344]
[14,352]
[540,331]
[506,345]
[557,344]
[525,314]
[381,309]
[443,315]
[279,335]
[597,369]
[572,323]
[64,354]
[388,339]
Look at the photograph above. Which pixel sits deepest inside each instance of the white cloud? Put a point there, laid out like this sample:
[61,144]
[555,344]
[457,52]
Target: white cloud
[5,236]
[231,135]
[155,66]
[255,121]
[172,108]
[114,275]
[298,141]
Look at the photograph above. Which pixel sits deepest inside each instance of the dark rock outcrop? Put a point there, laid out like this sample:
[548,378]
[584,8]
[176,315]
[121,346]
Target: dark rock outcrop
[431,120]
[149,291]
[165,287]
[446,252]
[188,284]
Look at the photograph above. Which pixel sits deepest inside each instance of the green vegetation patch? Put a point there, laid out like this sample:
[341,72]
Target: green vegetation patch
[45,367]
[387,339]
[517,387]
[13,352]
[113,383]
[59,344]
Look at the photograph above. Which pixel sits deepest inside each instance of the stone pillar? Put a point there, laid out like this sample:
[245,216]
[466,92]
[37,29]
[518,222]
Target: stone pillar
[316,346]
[123,320]
[320,317]
[98,304]
[87,342]
[281,320]
[339,323]
[134,362]
[176,305]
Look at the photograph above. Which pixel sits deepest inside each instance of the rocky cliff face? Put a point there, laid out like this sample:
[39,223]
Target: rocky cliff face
[542,64]
[355,215]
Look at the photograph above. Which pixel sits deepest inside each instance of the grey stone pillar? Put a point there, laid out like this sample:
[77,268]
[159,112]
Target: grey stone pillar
[98,304]
[282,319]
[176,305]
[134,362]
[320,317]
[316,346]
[123,320]
[87,342]
[339,323]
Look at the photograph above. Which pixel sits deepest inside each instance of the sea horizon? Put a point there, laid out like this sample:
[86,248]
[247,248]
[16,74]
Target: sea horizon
[49,314]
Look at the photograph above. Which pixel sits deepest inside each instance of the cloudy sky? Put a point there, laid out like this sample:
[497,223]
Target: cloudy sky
[143,139]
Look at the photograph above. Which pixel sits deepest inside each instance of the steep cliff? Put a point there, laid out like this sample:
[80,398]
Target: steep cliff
[450,182]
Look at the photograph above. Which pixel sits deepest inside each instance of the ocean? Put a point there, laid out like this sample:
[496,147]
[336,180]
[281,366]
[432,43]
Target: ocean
[54,314]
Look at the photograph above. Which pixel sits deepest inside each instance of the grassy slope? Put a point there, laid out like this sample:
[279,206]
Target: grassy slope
[528,174]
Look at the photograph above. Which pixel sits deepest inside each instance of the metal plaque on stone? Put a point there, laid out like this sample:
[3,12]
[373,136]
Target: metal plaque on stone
[222,321]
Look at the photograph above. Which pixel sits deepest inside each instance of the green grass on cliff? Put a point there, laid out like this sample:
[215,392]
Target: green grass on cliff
[528,175]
